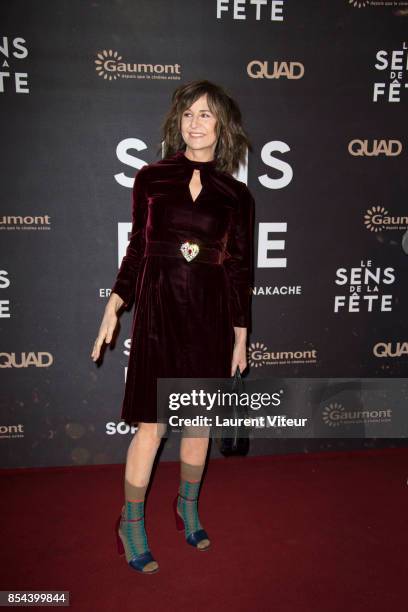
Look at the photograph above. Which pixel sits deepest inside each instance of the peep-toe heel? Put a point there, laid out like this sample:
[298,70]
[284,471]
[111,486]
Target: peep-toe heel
[195,537]
[137,562]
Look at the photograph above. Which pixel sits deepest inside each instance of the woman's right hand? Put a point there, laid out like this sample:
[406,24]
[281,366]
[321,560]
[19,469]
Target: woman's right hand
[108,325]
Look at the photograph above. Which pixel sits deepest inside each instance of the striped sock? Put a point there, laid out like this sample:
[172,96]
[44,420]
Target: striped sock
[188,509]
[133,528]
[187,502]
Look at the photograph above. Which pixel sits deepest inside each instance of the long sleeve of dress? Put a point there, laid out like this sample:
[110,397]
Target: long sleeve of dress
[125,282]
[239,264]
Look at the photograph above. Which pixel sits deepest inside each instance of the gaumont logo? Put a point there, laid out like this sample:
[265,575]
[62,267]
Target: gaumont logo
[335,414]
[28,222]
[259,355]
[110,66]
[121,428]
[12,431]
[391,349]
[26,360]
[359,3]
[377,219]
[377,3]
[374,148]
[263,69]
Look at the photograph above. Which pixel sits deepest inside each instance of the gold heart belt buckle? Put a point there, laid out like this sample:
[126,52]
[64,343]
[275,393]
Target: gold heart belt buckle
[189,250]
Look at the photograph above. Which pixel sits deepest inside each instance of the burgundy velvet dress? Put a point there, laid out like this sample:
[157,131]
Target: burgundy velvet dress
[185,311]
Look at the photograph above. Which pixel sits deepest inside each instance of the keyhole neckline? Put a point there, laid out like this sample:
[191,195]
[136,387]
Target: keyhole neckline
[189,186]
[198,165]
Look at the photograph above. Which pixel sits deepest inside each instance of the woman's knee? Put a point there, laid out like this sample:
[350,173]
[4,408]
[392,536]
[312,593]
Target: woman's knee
[150,433]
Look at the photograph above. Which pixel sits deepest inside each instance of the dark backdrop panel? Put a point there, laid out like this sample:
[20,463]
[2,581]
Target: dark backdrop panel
[73,142]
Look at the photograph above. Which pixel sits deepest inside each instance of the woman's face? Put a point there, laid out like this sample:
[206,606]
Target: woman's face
[198,126]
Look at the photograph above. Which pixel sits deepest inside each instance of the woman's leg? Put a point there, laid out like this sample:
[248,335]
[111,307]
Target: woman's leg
[140,458]
[193,452]
[141,454]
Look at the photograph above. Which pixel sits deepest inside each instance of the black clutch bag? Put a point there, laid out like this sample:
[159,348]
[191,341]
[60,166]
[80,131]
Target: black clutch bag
[230,443]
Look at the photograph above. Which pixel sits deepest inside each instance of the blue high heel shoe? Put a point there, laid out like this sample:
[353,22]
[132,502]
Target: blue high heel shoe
[196,536]
[138,562]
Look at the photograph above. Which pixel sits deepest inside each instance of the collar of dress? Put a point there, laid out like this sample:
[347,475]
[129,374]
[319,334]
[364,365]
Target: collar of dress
[189,163]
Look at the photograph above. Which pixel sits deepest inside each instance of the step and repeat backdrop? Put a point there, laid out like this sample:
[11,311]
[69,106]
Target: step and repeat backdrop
[84,87]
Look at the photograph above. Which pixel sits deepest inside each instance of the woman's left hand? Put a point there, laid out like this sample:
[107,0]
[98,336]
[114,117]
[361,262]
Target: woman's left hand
[239,357]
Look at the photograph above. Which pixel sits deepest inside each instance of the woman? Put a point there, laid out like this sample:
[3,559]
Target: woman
[188,267]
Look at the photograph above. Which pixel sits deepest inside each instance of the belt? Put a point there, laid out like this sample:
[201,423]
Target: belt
[188,250]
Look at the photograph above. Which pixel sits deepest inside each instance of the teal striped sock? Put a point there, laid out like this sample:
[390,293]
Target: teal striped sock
[187,503]
[133,528]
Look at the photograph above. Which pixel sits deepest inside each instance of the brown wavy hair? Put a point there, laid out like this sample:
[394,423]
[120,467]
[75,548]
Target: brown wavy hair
[232,140]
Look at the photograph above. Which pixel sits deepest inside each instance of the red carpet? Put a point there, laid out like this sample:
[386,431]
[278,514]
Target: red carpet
[324,532]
